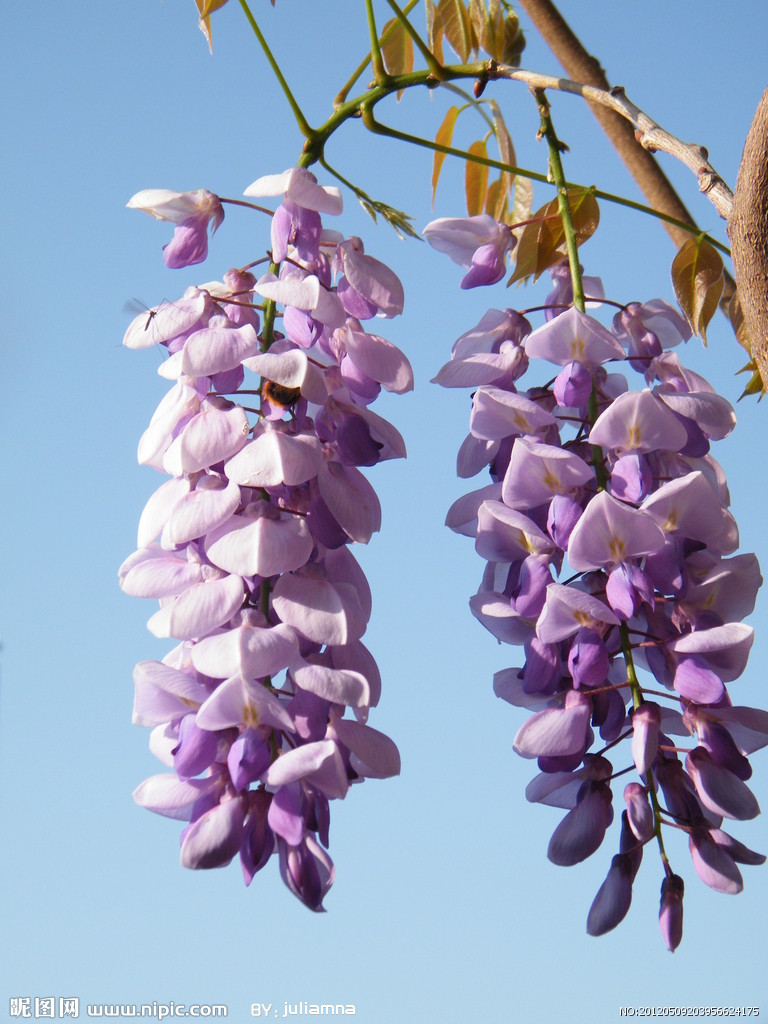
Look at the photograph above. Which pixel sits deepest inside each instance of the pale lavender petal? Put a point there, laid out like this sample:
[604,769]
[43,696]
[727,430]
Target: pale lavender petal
[275,458]
[374,755]
[215,433]
[238,702]
[199,610]
[498,616]
[211,503]
[380,360]
[161,574]
[638,422]
[497,414]
[336,685]
[319,762]
[462,515]
[537,472]
[724,648]
[504,535]
[568,610]
[573,336]
[351,500]
[263,542]
[159,508]
[171,796]
[161,689]
[372,279]
[555,732]
[312,605]
[214,839]
[218,347]
[609,532]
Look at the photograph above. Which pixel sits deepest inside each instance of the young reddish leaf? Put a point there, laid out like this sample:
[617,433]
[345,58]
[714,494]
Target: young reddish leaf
[542,244]
[736,316]
[523,204]
[397,50]
[476,179]
[443,138]
[434,31]
[514,41]
[457,27]
[697,277]
[496,200]
[506,148]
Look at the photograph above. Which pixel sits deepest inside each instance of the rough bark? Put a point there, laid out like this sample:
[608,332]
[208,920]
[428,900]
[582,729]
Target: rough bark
[748,231]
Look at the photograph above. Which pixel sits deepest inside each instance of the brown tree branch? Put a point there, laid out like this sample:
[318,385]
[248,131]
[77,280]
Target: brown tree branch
[582,67]
[748,231]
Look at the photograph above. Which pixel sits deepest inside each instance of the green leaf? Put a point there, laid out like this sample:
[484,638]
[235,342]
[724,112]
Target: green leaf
[697,277]
[443,138]
[542,243]
[396,219]
[476,179]
[397,50]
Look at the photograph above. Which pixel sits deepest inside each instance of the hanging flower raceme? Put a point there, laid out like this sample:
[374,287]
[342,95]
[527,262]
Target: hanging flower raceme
[610,559]
[260,712]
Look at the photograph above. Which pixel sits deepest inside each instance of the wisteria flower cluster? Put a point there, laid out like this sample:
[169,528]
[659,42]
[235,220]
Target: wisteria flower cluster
[610,559]
[247,546]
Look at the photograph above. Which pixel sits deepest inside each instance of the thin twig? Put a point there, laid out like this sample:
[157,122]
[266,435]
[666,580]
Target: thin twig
[649,134]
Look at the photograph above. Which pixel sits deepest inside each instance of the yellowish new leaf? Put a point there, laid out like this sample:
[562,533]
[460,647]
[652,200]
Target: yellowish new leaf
[205,9]
[476,179]
[443,138]
[397,50]
[457,27]
[434,31]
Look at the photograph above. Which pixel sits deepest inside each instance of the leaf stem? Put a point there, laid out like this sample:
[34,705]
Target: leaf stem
[547,131]
[345,90]
[434,65]
[304,127]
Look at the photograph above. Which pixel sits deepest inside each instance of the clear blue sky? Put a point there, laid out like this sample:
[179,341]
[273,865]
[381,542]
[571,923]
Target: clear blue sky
[445,907]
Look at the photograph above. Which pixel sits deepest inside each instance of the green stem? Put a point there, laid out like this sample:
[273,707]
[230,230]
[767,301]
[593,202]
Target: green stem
[344,91]
[377,128]
[304,126]
[377,61]
[558,177]
[434,65]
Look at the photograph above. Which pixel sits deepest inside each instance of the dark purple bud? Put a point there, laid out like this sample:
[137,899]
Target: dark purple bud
[614,897]
[582,830]
[588,661]
[639,811]
[573,385]
[671,911]
[196,749]
[646,721]
[564,513]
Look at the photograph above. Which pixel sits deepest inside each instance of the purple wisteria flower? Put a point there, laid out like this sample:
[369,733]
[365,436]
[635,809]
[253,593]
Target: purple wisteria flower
[191,212]
[260,712]
[610,560]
